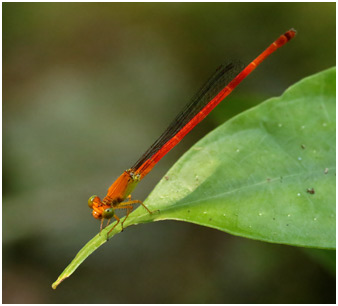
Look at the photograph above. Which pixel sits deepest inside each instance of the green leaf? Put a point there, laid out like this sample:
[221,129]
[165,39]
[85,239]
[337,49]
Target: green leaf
[250,177]
[267,174]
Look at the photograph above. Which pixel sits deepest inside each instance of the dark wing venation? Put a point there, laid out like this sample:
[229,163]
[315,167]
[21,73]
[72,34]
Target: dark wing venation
[222,76]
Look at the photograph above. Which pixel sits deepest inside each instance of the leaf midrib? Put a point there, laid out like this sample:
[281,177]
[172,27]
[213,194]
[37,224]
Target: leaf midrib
[245,187]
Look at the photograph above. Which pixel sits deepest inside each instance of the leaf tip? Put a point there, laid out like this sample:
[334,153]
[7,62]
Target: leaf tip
[58,282]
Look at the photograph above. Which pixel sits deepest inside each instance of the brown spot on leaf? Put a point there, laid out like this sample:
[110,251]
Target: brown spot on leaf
[310,191]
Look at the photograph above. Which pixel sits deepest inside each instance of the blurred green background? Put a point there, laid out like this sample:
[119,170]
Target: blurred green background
[86,89]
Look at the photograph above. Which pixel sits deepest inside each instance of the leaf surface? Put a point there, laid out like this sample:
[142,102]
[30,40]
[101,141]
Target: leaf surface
[267,174]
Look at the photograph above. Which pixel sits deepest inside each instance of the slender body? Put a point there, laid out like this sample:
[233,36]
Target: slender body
[219,86]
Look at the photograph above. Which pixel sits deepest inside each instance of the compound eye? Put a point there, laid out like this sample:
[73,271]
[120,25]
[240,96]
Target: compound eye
[108,213]
[91,200]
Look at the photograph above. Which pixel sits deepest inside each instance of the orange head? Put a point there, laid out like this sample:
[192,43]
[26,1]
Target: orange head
[100,210]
